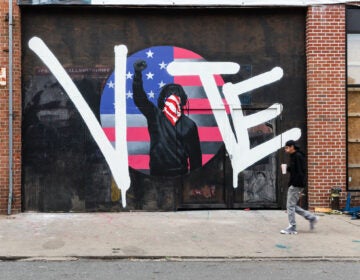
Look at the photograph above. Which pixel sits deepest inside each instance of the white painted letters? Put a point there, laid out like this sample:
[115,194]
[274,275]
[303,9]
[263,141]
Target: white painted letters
[115,157]
[241,155]
[237,145]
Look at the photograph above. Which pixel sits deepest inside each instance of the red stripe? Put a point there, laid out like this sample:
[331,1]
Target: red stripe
[168,111]
[195,80]
[168,115]
[173,99]
[142,161]
[139,134]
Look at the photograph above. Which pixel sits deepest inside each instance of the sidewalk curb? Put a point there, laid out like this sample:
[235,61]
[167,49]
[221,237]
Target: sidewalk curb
[182,259]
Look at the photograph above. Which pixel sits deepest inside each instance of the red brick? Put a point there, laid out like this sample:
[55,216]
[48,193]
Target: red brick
[4,168]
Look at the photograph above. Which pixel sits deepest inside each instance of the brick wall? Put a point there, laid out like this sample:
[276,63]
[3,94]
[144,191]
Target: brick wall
[4,109]
[326,102]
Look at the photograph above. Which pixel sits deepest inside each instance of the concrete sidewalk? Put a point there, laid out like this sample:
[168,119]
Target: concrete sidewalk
[191,234]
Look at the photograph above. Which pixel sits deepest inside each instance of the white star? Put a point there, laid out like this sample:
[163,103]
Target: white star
[111,84]
[149,76]
[129,94]
[129,75]
[162,65]
[149,53]
[151,94]
[161,84]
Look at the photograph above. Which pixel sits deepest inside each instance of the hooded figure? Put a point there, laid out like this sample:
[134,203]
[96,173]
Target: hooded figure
[174,139]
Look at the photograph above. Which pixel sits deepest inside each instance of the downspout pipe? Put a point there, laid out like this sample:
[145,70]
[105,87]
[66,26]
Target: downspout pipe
[10,107]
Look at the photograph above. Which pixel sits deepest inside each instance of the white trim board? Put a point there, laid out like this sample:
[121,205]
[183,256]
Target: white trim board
[300,3]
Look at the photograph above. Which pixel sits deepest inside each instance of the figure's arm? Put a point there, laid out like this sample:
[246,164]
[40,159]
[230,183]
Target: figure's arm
[139,95]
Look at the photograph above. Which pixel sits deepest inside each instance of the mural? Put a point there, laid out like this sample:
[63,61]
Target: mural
[232,123]
[123,110]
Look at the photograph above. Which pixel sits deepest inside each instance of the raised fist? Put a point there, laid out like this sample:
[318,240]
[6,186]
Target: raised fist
[140,65]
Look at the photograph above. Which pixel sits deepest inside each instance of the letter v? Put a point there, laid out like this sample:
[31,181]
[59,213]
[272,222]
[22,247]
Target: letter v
[117,158]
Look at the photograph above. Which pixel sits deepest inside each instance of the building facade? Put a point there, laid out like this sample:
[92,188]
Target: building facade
[85,137]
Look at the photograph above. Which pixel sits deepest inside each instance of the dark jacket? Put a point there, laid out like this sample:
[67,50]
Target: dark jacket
[171,147]
[297,170]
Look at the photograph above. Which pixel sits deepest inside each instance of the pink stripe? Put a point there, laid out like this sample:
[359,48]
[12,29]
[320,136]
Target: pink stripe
[139,161]
[199,111]
[110,133]
[195,80]
[206,158]
[209,134]
[182,53]
[133,134]
[188,81]
[139,134]
[202,106]
[142,161]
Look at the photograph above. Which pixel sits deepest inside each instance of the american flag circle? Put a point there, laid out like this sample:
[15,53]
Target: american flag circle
[155,76]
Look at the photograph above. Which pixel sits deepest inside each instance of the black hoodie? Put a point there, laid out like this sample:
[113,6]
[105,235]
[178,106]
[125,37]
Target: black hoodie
[297,169]
[171,147]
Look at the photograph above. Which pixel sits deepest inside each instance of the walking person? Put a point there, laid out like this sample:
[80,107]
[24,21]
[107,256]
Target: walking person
[297,184]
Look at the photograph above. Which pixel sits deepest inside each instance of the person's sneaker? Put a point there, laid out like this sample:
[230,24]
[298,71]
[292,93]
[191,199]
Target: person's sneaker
[313,221]
[289,230]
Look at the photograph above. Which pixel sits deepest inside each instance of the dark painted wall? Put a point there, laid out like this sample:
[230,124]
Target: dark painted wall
[63,169]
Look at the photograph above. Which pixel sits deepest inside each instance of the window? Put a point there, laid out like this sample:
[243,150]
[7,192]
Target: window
[353,98]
